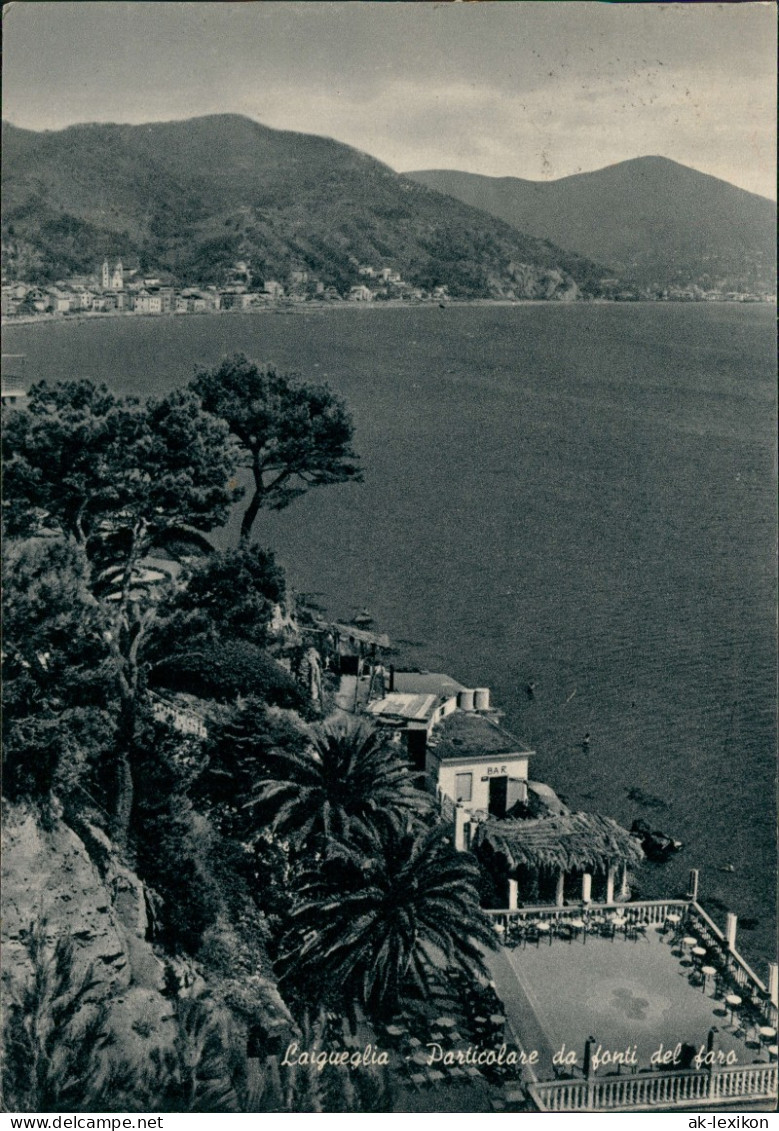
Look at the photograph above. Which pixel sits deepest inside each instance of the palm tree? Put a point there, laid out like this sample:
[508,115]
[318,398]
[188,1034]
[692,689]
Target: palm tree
[349,775]
[382,915]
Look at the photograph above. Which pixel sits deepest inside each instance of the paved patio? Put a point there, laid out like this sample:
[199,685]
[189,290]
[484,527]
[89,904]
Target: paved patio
[625,993]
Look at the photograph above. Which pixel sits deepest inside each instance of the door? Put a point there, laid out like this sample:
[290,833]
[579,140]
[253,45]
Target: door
[498,795]
[417,748]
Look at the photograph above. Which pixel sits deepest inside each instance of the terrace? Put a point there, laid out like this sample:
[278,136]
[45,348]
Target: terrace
[644,988]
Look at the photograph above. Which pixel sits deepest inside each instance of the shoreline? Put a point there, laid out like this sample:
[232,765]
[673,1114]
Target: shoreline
[9,321]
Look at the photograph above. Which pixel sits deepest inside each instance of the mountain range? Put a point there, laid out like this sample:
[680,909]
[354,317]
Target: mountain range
[652,221]
[188,199]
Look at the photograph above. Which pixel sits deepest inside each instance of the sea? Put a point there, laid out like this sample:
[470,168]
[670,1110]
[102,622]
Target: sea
[581,498]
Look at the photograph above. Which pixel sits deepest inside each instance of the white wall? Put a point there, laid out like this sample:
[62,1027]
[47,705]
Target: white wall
[508,765]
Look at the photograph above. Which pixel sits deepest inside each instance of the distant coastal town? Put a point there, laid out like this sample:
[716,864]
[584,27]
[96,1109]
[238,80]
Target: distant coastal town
[114,289]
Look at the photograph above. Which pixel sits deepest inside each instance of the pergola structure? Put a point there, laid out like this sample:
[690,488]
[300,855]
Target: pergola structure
[563,846]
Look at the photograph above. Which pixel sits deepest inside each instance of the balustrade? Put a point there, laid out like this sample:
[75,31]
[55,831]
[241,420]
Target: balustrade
[657,1090]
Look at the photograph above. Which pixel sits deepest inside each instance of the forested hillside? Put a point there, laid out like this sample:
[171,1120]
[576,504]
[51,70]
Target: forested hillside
[191,198]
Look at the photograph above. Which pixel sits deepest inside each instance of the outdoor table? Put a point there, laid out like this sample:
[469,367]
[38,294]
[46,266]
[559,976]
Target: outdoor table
[394,1030]
[699,951]
[445,1022]
[497,1019]
[544,928]
[579,925]
[688,942]
[766,1032]
[708,972]
[673,919]
[773,1051]
[420,1056]
[733,1002]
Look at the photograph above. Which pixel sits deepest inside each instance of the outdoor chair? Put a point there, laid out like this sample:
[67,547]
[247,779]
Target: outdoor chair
[516,935]
[532,934]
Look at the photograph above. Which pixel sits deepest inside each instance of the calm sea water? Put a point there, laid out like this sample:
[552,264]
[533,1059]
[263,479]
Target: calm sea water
[579,496]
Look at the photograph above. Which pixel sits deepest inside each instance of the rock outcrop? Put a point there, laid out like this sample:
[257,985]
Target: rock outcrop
[78,889]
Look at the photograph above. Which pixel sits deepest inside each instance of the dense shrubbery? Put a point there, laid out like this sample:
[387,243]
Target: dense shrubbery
[224,670]
[58,699]
[172,841]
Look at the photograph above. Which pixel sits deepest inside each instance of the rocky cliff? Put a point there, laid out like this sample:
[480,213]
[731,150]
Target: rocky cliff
[76,887]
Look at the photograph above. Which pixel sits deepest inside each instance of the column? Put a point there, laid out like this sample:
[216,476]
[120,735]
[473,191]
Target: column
[560,893]
[461,829]
[693,885]
[624,890]
[773,982]
[730,930]
[610,877]
[586,888]
[513,895]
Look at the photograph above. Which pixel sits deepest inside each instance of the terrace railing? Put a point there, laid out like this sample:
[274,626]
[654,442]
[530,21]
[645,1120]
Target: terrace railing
[737,970]
[644,911]
[657,1090]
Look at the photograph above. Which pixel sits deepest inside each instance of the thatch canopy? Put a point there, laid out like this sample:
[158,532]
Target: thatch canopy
[570,842]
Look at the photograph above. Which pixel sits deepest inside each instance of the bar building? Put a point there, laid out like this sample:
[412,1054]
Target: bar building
[453,736]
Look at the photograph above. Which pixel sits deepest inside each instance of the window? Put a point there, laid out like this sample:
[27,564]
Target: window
[463,786]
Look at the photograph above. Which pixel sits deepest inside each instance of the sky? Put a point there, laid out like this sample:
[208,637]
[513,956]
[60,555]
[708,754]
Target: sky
[522,88]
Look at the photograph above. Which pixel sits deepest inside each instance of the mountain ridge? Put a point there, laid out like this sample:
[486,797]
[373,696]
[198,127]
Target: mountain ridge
[190,197]
[651,219]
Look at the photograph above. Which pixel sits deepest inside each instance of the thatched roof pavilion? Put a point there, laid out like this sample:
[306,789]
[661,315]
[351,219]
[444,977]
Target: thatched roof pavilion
[570,842]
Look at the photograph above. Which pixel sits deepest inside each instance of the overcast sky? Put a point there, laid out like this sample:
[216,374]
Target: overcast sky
[527,89]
